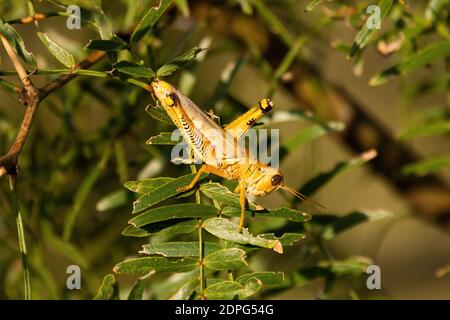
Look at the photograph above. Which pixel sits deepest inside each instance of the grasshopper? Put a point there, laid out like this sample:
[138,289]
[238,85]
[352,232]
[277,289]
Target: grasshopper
[207,140]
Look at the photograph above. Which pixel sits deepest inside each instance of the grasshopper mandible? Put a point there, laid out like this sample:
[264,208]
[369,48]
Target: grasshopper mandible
[207,140]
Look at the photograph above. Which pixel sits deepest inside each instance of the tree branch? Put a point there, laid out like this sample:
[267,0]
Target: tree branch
[23,75]
[32,97]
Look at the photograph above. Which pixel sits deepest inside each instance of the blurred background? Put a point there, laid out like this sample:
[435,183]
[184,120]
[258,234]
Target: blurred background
[89,138]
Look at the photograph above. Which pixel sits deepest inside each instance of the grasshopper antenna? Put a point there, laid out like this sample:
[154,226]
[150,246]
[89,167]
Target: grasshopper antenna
[302,197]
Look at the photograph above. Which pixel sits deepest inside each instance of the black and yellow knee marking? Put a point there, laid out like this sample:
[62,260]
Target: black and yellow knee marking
[172,100]
[265,105]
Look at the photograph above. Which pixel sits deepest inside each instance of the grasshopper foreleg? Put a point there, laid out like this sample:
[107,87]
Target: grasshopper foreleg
[194,181]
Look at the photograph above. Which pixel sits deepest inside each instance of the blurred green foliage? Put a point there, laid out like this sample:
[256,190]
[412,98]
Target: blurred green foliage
[91,142]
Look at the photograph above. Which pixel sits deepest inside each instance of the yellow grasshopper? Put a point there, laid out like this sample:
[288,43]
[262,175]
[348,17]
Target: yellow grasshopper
[207,140]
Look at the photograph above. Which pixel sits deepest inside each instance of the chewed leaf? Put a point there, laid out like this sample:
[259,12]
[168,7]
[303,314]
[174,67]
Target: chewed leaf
[164,138]
[225,229]
[169,227]
[178,249]
[226,259]
[109,289]
[147,265]
[287,239]
[164,192]
[283,213]
[176,211]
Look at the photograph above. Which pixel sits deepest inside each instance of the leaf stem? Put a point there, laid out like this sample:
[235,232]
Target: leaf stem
[200,243]
[21,235]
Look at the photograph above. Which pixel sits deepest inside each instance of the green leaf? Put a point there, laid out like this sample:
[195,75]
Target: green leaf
[178,249]
[87,4]
[427,130]
[216,191]
[178,62]
[251,286]
[313,4]
[183,6]
[147,185]
[176,211]
[225,229]
[164,192]
[267,278]
[16,42]
[353,266]
[105,45]
[134,70]
[225,259]
[309,134]
[185,291]
[331,225]
[112,201]
[57,51]
[365,34]
[434,8]
[137,291]
[170,227]
[164,138]
[159,114]
[109,289]
[149,20]
[63,248]
[427,166]
[283,213]
[425,56]
[317,182]
[102,23]
[83,192]
[148,265]
[227,290]
[287,239]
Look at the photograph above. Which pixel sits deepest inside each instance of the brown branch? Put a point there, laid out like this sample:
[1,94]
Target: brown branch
[32,97]
[23,75]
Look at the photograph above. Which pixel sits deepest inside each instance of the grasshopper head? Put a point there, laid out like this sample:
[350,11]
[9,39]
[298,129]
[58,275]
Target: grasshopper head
[165,93]
[270,179]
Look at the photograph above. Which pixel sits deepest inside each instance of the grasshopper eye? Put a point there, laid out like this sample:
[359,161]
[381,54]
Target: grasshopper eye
[172,100]
[276,180]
